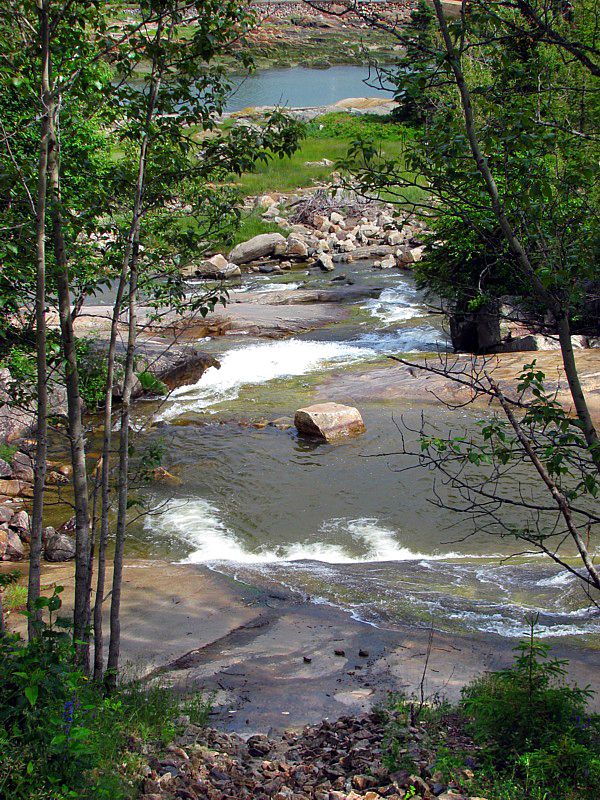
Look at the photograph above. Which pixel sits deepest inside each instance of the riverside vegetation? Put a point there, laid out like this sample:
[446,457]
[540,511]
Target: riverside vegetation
[518,733]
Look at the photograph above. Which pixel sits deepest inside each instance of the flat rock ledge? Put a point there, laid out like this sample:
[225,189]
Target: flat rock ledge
[329,421]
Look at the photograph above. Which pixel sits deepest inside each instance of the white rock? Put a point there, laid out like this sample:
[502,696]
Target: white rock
[258,247]
[329,421]
[393,238]
[265,201]
[325,262]
[218,261]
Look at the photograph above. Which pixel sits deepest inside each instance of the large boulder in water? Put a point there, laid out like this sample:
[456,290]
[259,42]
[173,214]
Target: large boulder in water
[258,247]
[329,421]
[59,547]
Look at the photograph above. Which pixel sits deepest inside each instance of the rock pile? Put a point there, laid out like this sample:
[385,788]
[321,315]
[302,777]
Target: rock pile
[340,760]
[323,231]
[16,486]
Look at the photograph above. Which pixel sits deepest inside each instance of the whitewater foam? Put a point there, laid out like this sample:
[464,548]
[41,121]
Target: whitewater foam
[396,305]
[255,364]
[359,541]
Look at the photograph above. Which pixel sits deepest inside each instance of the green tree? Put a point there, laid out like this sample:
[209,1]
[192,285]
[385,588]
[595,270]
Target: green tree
[127,179]
[512,197]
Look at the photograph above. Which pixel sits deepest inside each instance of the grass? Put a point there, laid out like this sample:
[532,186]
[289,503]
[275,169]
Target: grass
[252,225]
[290,173]
[7,451]
[14,597]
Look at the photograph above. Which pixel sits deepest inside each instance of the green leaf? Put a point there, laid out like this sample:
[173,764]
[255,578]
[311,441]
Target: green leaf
[31,693]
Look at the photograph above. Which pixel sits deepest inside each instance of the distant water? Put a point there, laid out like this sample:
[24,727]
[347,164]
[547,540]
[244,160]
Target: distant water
[298,87]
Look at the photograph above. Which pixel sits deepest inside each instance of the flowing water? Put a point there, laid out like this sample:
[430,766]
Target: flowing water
[341,523]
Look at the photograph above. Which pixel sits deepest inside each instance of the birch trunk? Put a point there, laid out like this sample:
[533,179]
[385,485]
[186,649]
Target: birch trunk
[75,408]
[41,449]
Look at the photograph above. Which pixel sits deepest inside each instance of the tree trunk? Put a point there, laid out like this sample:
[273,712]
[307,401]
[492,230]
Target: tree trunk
[75,409]
[41,449]
[132,254]
[115,607]
[105,490]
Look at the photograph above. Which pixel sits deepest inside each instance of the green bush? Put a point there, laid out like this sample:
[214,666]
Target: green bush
[7,452]
[151,384]
[93,371]
[61,737]
[534,727]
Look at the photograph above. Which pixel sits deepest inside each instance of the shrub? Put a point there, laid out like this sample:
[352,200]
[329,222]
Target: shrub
[151,384]
[535,726]
[93,371]
[60,736]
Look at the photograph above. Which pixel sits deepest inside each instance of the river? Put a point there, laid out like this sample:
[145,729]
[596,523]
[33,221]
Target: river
[340,523]
[300,87]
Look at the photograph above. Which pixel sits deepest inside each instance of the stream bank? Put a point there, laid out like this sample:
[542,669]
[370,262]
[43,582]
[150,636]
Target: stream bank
[276,661]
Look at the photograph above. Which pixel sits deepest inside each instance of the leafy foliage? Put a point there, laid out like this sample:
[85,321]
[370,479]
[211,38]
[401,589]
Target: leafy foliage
[60,736]
[534,727]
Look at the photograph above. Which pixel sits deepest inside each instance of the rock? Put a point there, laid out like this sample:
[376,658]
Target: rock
[329,421]
[217,261]
[393,238]
[68,526]
[325,262]
[296,246]
[15,550]
[258,745]
[6,514]
[13,488]
[182,368]
[22,468]
[258,247]
[388,262]
[337,219]
[55,478]
[5,470]
[407,255]
[230,270]
[20,522]
[59,548]
[265,201]
[161,475]
[47,533]
[535,341]
[324,162]
[3,542]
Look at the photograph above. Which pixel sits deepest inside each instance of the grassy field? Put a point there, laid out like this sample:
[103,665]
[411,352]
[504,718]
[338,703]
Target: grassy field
[290,173]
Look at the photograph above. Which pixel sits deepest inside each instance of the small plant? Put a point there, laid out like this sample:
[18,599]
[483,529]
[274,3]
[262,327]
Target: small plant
[535,726]
[7,452]
[15,597]
[60,736]
[93,371]
[151,384]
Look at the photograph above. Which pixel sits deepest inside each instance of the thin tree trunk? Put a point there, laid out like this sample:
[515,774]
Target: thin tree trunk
[132,253]
[41,449]
[554,305]
[115,606]
[74,410]
[105,490]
